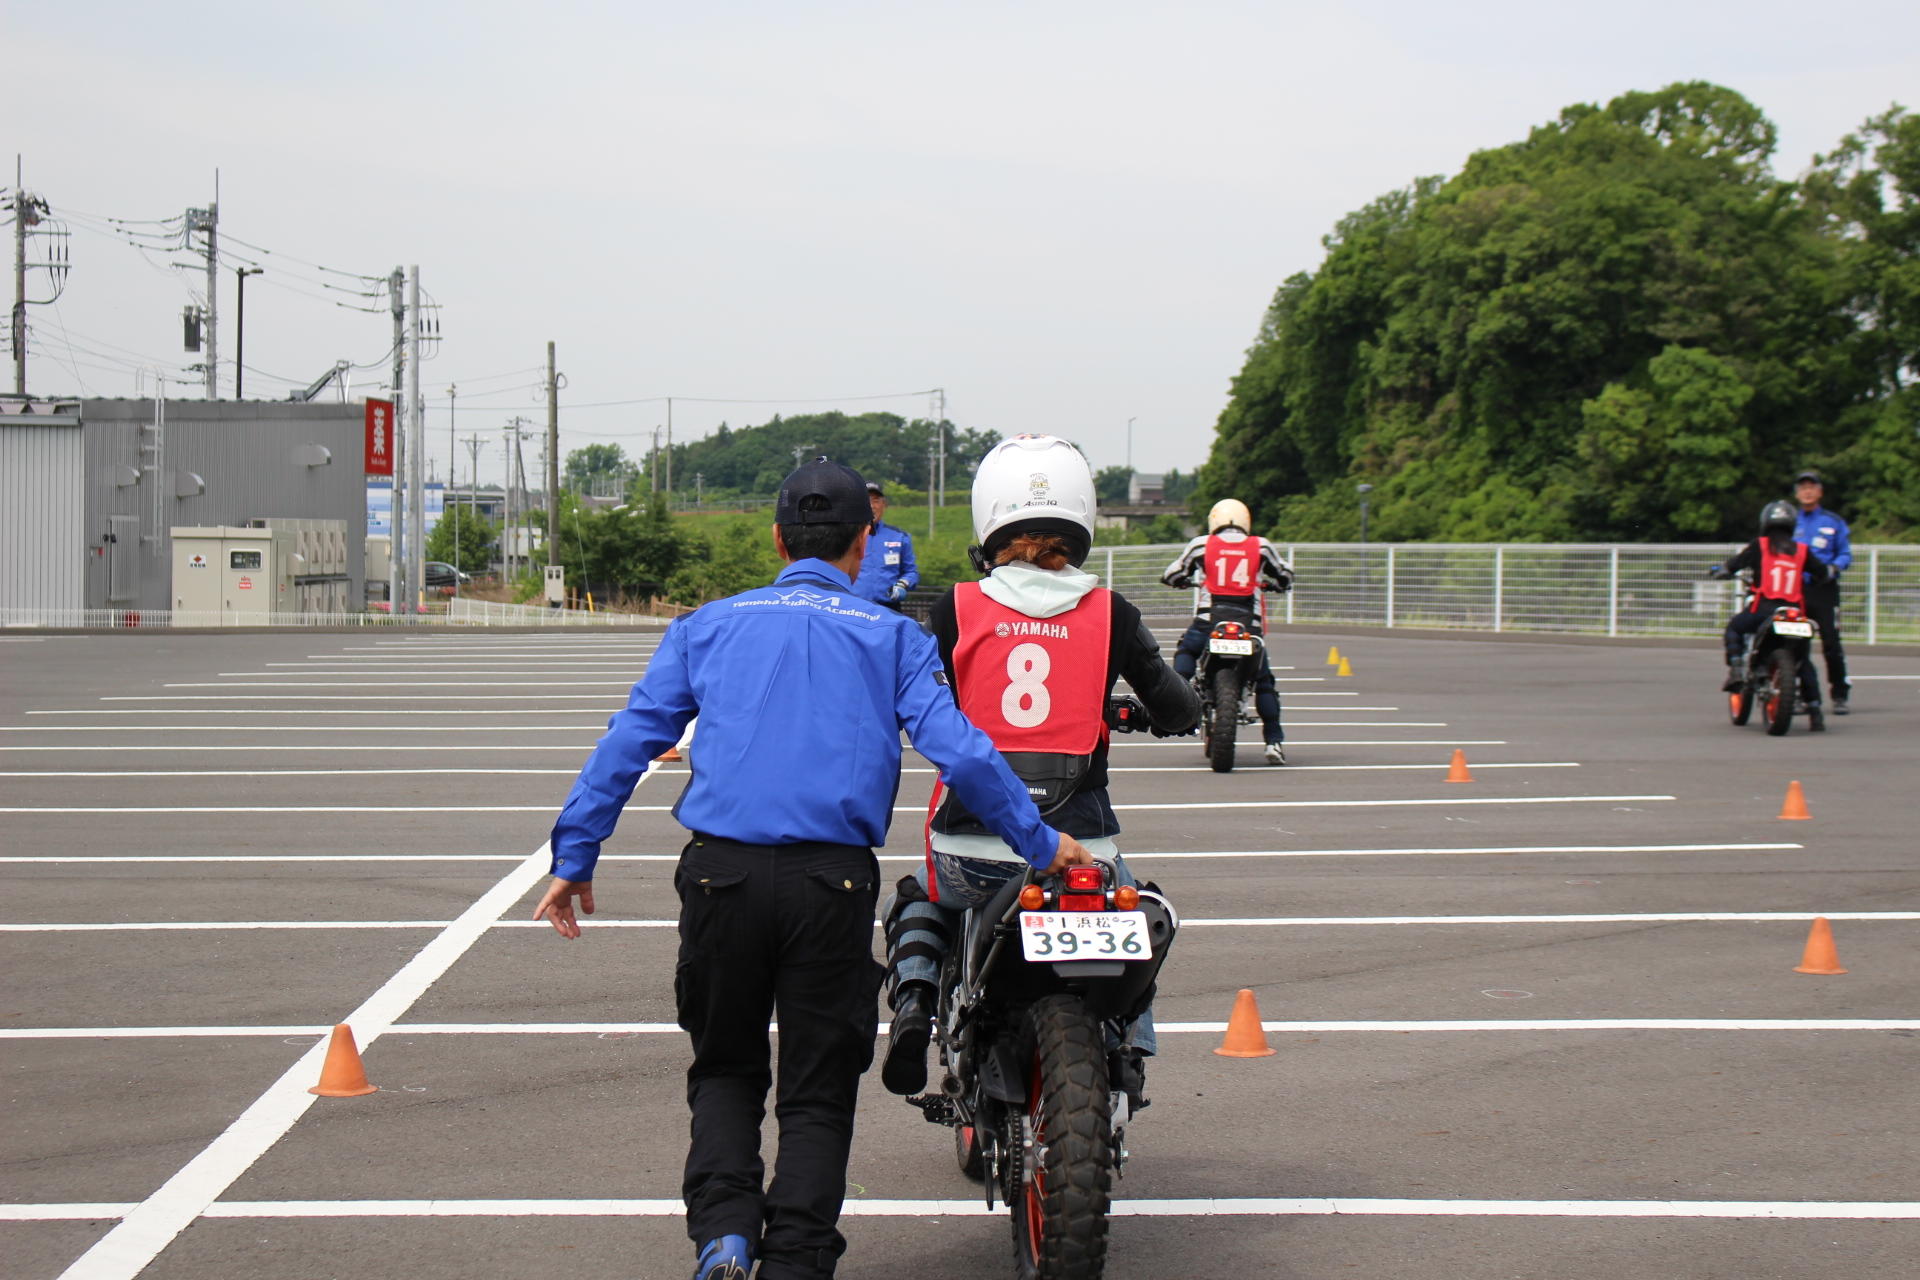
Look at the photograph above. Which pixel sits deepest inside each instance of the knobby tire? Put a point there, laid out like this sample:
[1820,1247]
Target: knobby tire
[1060,1218]
[1226,718]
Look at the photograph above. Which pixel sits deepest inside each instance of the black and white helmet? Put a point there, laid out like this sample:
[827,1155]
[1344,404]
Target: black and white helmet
[1778,517]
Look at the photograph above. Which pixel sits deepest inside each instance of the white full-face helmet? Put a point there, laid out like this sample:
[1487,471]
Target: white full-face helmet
[1229,511]
[1033,484]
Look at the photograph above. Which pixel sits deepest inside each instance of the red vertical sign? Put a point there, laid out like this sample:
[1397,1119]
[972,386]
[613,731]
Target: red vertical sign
[379,437]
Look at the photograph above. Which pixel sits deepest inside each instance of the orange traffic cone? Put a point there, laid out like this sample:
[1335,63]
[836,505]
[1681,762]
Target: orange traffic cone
[1245,1038]
[1819,957]
[1796,806]
[343,1076]
[1346,668]
[1333,656]
[1457,770]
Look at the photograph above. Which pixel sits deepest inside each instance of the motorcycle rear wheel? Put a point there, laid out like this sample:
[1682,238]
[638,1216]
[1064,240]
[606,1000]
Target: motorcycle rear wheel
[1060,1215]
[1778,703]
[966,1151]
[1226,718]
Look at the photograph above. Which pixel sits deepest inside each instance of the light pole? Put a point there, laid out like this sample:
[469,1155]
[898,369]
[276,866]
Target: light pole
[1130,422]
[449,506]
[1363,490]
[240,326]
[1366,566]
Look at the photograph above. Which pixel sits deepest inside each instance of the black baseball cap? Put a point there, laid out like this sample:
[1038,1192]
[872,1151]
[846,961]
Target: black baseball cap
[1810,474]
[845,493]
[873,487]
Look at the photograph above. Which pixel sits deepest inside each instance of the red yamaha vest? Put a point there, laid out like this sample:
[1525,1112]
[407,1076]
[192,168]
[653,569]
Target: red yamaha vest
[1780,575]
[1233,568]
[1033,684]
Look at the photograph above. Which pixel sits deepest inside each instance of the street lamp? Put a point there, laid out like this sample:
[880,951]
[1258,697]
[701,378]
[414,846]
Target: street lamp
[1363,490]
[1130,422]
[240,327]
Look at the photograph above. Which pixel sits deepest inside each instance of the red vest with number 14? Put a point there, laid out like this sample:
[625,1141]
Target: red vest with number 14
[1033,684]
[1233,566]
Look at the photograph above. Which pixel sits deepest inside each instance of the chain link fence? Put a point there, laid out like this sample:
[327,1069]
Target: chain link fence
[1572,588]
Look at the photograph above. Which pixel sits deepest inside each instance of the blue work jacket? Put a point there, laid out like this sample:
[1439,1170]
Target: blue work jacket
[889,559]
[1826,537]
[802,691]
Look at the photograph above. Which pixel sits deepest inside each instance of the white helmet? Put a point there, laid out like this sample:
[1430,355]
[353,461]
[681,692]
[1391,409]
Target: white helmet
[1033,483]
[1229,511]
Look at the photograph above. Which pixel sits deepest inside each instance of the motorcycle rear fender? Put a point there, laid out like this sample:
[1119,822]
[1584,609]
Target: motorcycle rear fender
[1001,1076]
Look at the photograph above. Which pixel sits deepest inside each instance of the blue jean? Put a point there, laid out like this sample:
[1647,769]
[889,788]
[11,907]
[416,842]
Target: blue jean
[920,938]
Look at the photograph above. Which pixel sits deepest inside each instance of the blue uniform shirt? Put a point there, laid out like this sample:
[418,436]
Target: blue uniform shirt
[802,691]
[889,560]
[1826,537]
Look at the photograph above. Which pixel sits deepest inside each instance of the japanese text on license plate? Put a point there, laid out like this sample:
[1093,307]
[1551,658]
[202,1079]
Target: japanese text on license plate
[1091,935]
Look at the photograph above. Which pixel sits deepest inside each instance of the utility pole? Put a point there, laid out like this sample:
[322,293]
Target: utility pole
[653,465]
[208,220]
[26,212]
[396,558]
[553,462]
[416,446]
[449,505]
[932,462]
[31,216]
[669,451]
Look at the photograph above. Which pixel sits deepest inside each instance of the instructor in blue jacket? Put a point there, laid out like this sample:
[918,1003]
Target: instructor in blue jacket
[887,572]
[802,689]
[1829,554]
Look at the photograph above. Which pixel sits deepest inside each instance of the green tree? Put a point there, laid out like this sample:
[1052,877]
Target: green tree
[1111,484]
[632,550]
[460,537]
[1622,326]
[598,469]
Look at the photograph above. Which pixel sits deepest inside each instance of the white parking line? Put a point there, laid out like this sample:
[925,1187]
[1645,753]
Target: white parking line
[1448,801]
[578,748]
[399,685]
[1132,855]
[609,699]
[1197,1207]
[1476,1026]
[1219,922]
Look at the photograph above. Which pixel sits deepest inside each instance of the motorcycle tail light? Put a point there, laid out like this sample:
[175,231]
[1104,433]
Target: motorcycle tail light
[1084,878]
[1229,631]
[1032,898]
[1083,902]
[1126,898]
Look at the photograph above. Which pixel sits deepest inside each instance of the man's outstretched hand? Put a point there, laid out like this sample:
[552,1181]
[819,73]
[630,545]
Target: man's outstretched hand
[557,906]
[1071,853]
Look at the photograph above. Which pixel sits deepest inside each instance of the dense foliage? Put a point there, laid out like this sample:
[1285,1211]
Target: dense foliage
[1623,328]
[880,446]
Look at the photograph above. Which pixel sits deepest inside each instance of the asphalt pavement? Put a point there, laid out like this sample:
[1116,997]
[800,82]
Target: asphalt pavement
[1541,1024]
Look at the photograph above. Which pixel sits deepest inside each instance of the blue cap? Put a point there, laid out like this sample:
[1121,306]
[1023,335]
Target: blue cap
[845,493]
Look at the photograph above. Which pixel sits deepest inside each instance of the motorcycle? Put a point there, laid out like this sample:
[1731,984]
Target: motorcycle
[1771,670]
[1224,679]
[1038,1086]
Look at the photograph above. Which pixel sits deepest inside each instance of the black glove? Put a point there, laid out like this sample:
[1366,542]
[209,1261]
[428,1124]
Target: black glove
[1719,573]
[1831,572]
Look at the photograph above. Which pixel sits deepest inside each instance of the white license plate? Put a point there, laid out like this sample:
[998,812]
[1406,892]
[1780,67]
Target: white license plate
[1240,648]
[1085,935]
[1802,629]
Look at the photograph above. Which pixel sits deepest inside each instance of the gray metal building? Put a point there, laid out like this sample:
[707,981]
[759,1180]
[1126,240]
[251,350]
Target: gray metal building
[89,489]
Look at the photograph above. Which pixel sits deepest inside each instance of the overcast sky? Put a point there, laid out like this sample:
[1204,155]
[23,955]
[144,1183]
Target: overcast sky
[1065,214]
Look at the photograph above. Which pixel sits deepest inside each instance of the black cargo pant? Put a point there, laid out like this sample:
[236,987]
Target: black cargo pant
[769,930]
[1823,608]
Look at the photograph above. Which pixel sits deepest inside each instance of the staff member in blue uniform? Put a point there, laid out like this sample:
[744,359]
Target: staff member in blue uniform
[1829,553]
[887,572]
[802,690]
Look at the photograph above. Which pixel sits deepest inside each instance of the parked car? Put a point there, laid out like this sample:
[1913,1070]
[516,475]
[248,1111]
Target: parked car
[444,578]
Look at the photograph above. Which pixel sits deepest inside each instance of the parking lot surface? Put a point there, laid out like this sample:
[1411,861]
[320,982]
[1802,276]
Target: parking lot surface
[1541,1024]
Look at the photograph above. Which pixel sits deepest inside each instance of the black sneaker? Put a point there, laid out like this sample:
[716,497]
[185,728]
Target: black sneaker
[905,1070]
[1840,706]
[1736,676]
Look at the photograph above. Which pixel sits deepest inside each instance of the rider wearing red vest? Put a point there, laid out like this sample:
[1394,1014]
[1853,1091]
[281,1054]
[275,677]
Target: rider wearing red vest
[1032,650]
[1234,565]
[1779,565]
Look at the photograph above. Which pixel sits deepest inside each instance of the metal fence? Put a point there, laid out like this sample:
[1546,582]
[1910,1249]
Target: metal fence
[1583,589]
[1576,589]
